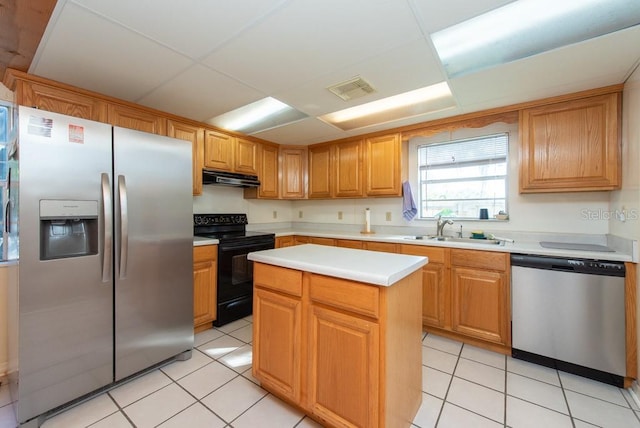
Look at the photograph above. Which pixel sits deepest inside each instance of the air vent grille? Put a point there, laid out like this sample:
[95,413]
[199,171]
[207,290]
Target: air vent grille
[351,89]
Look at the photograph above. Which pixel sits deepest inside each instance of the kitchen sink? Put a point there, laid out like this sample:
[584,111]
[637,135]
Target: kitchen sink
[453,239]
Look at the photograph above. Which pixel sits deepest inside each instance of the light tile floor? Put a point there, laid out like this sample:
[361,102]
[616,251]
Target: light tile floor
[463,386]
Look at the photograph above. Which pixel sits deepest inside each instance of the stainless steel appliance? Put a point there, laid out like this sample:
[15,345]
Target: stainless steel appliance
[235,272]
[105,276]
[570,314]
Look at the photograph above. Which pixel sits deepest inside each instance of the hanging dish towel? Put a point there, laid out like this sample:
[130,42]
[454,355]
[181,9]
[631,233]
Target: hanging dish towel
[409,209]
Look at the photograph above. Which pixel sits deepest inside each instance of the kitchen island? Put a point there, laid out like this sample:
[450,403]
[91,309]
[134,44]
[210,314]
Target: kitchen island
[337,333]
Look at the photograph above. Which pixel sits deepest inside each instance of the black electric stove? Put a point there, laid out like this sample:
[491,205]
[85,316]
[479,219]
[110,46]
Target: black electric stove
[235,271]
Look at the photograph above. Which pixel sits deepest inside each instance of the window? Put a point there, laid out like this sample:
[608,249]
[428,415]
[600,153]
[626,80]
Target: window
[5,135]
[457,178]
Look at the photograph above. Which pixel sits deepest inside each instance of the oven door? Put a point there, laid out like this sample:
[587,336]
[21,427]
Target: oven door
[235,279]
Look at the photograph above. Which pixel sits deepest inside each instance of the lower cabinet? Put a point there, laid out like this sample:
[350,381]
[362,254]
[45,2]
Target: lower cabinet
[284,241]
[332,346]
[205,270]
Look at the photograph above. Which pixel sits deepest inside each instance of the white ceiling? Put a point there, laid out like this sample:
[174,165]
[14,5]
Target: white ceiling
[202,58]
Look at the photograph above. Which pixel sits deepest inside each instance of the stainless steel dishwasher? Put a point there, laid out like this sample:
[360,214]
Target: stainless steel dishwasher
[569,314]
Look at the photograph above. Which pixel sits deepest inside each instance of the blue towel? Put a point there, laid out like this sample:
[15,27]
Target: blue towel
[409,209]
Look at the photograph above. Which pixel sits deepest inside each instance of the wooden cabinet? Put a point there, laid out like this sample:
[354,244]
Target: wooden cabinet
[277,329]
[138,119]
[322,241]
[293,166]
[383,165]
[320,172]
[205,270]
[219,150]
[385,247]
[284,241]
[347,171]
[435,284]
[571,146]
[195,135]
[330,346]
[59,100]
[267,173]
[349,243]
[480,298]
[246,157]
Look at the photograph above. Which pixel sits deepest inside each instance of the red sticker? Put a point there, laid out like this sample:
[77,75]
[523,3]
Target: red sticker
[76,134]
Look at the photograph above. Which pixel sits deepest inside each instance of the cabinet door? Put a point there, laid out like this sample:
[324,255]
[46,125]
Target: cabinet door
[344,385]
[204,286]
[320,172]
[60,101]
[195,135]
[218,150]
[268,172]
[246,156]
[284,241]
[571,146]
[277,335]
[293,163]
[384,166]
[138,119]
[348,170]
[479,304]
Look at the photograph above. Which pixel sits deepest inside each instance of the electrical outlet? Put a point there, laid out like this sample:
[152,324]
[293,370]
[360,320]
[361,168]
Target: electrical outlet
[299,214]
[388,215]
[275,214]
[339,215]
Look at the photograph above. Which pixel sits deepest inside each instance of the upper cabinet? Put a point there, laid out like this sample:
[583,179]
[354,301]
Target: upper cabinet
[571,146]
[218,150]
[138,119]
[320,172]
[195,135]
[347,172]
[246,156]
[335,170]
[383,156]
[267,174]
[59,100]
[225,152]
[293,166]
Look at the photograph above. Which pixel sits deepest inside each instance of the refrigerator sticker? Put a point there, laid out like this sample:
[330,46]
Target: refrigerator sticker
[40,126]
[76,134]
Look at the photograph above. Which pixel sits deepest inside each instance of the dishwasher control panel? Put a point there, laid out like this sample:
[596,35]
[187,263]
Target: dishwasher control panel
[592,267]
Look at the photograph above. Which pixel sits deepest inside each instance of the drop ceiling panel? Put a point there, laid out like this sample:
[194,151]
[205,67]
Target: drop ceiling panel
[193,27]
[86,50]
[598,62]
[310,38]
[304,132]
[436,15]
[200,93]
[403,69]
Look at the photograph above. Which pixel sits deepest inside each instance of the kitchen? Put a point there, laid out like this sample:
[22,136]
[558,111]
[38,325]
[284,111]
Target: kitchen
[590,213]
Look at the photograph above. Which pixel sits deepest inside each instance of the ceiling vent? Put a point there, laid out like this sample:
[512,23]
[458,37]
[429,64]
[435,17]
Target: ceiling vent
[352,89]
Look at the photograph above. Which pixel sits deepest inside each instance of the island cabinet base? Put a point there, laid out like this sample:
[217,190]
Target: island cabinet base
[349,354]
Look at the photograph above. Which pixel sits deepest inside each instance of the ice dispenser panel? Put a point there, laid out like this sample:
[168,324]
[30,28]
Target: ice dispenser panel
[68,228]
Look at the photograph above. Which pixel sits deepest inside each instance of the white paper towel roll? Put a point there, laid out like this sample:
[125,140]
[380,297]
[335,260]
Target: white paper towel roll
[367,220]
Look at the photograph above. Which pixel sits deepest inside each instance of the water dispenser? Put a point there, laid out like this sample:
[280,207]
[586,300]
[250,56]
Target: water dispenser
[68,228]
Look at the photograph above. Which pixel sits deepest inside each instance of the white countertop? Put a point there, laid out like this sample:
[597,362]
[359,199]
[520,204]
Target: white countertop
[357,265]
[519,246]
[198,241]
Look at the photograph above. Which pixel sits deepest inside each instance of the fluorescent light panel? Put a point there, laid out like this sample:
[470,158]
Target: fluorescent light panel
[529,27]
[402,106]
[258,116]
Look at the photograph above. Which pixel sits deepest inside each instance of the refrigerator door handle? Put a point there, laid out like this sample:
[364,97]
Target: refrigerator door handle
[124,226]
[108,228]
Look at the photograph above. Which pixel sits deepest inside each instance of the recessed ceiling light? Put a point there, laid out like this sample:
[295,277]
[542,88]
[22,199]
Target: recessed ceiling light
[413,103]
[529,27]
[258,116]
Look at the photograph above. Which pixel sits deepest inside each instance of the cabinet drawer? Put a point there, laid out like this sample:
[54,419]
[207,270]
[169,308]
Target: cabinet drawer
[205,253]
[480,259]
[278,278]
[350,296]
[435,254]
[322,241]
[384,247]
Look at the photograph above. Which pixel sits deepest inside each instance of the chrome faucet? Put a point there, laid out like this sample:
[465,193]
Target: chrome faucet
[441,224]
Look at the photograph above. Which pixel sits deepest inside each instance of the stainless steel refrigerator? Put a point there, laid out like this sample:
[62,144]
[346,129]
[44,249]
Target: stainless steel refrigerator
[105,245]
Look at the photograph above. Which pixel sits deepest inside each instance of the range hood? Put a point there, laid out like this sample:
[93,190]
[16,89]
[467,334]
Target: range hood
[222,178]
